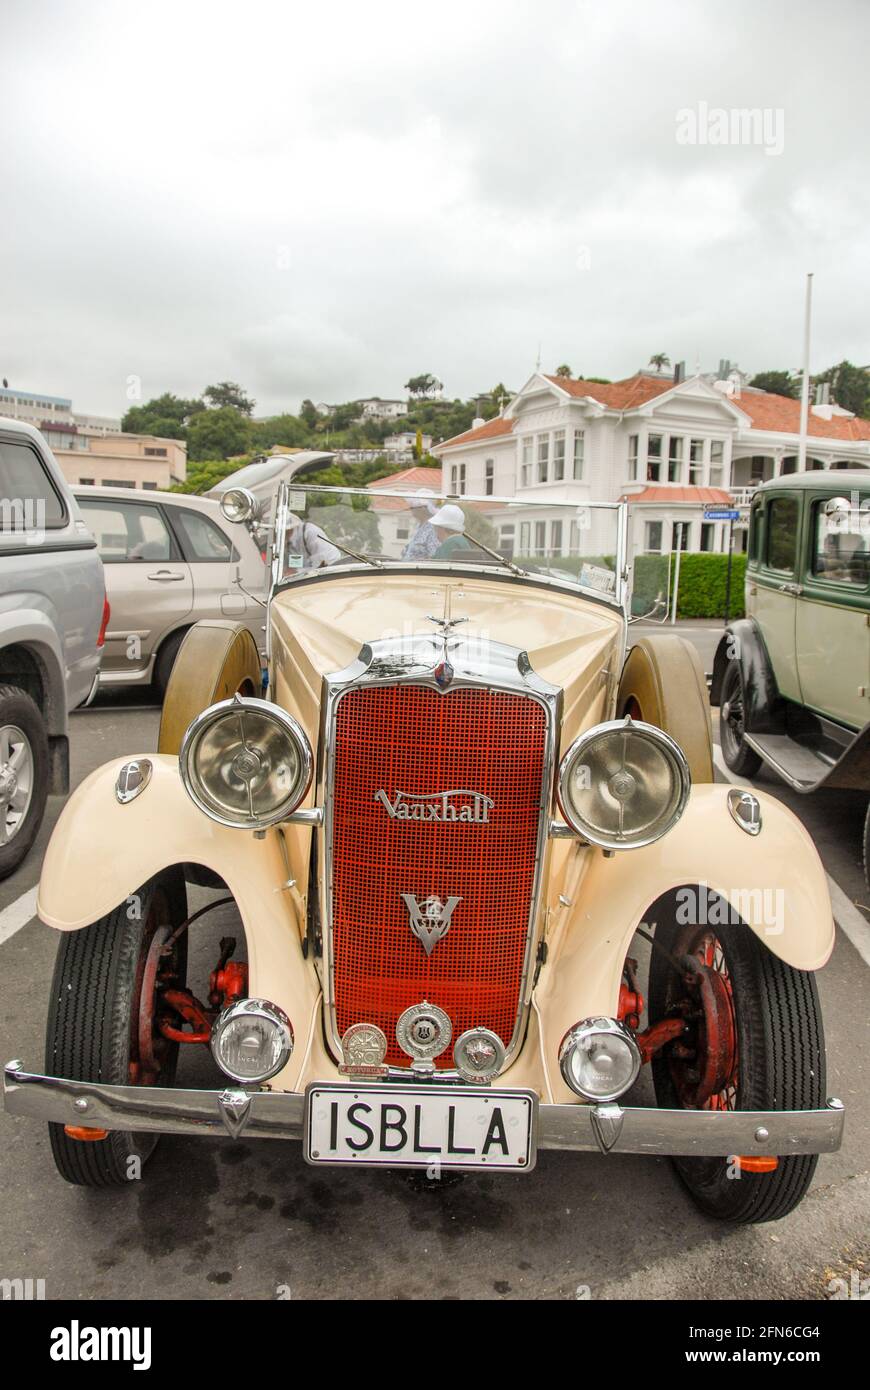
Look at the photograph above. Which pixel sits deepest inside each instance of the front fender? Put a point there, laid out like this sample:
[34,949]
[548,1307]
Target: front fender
[762,703]
[101,851]
[774,882]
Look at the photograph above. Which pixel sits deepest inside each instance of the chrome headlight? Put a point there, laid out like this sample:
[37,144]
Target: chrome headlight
[599,1059]
[238,504]
[623,784]
[246,763]
[252,1040]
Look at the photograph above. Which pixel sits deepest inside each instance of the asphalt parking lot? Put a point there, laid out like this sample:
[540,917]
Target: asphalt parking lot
[218,1219]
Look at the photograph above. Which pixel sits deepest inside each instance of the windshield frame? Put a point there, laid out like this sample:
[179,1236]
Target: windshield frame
[279,582]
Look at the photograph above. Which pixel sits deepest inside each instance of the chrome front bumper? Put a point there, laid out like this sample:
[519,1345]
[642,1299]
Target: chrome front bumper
[280,1115]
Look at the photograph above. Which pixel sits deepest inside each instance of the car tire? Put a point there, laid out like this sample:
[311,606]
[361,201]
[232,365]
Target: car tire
[166,660]
[780,1049]
[93,1021]
[735,750]
[23,750]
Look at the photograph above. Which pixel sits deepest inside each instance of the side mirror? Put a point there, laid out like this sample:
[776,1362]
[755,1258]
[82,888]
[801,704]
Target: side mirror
[238,504]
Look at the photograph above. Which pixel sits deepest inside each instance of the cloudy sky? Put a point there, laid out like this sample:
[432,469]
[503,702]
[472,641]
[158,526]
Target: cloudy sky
[324,200]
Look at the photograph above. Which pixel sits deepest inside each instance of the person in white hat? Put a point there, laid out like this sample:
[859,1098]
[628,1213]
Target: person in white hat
[449,524]
[424,542]
[307,546]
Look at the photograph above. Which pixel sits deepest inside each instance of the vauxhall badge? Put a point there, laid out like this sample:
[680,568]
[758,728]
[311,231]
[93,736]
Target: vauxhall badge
[429,919]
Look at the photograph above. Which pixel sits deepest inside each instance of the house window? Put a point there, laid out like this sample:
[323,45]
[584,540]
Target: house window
[462,477]
[540,537]
[675,459]
[708,531]
[653,458]
[526,467]
[756,469]
[457,478]
[489,477]
[696,462]
[717,463]
[543,457]
[679,535]
[654,536]
[155,453]
[558,455]
[579,441]
[86,482]
[524,537]
[632,457]
[149,487]
[556,537]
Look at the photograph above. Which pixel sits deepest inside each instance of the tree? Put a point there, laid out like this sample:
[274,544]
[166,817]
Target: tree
[229,393]
[660,360]
[564,372]
[423,386]
[850,386]
[165,415]
[309,413]
[219,433]
[778,382]
[286,430]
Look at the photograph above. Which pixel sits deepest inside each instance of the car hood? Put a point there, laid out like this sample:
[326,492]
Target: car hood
[319,627]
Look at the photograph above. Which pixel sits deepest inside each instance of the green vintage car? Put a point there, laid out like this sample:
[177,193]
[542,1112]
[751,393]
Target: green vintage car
[792,678]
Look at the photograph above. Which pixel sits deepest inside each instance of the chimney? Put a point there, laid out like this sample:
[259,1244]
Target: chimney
[679,373]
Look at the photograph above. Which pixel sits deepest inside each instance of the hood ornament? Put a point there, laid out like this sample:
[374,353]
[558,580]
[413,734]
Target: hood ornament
[444,670]
[430,920]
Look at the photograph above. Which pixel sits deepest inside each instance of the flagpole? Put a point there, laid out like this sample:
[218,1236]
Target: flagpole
[805,385]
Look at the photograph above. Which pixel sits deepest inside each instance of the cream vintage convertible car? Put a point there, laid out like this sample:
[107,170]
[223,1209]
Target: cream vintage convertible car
[452,814]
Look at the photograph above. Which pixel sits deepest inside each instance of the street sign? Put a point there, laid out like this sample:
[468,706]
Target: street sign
[721,514]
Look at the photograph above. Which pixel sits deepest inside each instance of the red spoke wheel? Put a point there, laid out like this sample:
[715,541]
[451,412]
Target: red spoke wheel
[102,1019]
[754,1042]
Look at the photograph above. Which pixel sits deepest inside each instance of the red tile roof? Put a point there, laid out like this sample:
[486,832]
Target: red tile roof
[491,430]
[408,480]
[411,478]
[782,414]
[701,496]
[619,395]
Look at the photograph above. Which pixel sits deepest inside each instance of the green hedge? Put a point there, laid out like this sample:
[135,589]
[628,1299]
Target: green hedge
[702,584]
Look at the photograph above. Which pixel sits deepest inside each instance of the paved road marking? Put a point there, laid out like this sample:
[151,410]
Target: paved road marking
[846,914]
[17,914]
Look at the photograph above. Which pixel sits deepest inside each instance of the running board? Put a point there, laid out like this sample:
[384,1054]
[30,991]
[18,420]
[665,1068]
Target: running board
[805,770]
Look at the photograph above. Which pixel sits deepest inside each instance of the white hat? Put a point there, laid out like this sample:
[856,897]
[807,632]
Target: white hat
[424,493]
[450,517]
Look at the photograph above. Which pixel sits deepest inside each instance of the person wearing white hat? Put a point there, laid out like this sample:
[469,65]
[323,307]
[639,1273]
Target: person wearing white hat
[307,546]
[424,542]
[449,525]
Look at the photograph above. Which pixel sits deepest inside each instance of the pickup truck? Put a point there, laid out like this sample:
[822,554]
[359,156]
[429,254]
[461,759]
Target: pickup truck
[53,616]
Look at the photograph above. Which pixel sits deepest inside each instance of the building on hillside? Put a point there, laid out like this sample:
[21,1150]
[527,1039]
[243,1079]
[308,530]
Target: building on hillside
[376,409]
[394,520]
[403,445]
[116,460]
[39,409]
[672,448]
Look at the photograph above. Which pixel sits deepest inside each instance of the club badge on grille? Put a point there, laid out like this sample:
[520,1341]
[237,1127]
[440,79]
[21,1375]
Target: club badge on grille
[429,919]
[363,1048]
[479,1054]
[423,1031]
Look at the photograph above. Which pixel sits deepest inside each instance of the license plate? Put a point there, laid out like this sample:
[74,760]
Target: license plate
[420,1126]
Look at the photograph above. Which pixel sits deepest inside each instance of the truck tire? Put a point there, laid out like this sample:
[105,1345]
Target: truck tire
[23,775]
[166,660]
[101,982]
[777,1061]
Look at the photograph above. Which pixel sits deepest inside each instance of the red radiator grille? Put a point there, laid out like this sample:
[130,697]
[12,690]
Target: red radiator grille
[416,740]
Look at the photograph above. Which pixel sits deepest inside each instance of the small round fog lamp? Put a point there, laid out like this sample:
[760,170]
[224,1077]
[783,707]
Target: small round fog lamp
[252,1040]
[599,1059]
